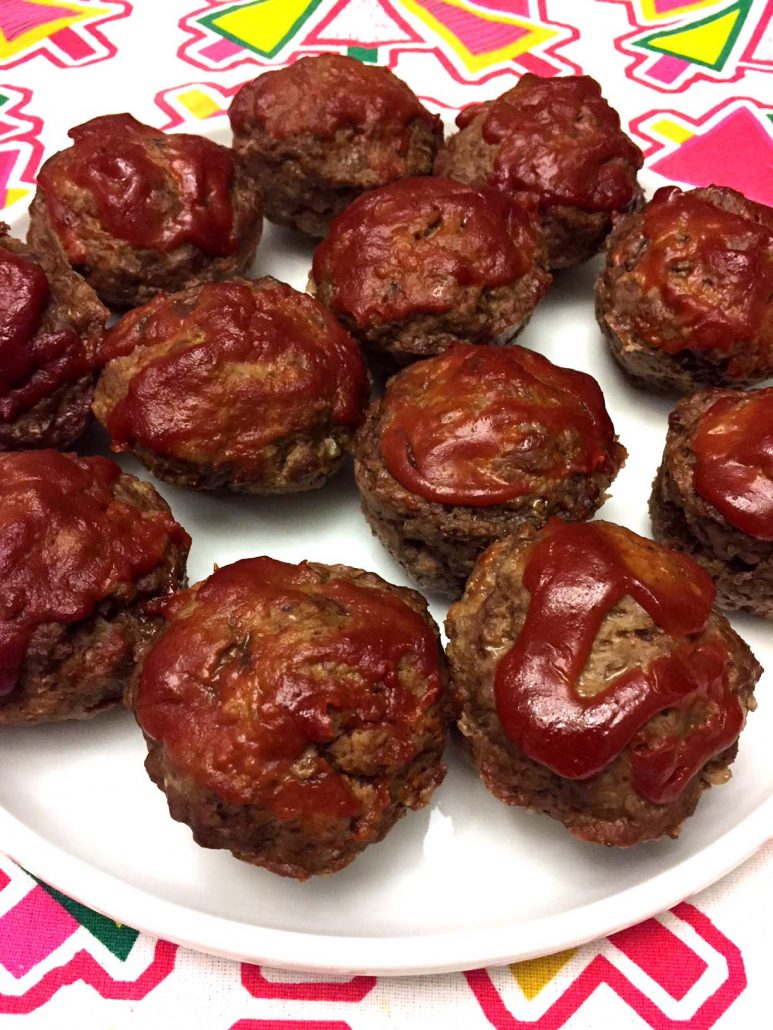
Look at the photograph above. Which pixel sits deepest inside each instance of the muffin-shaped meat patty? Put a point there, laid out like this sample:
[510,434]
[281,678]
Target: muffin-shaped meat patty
[686,297]
[318,133]
[477,443]
[136,211]
[595,682]
[421,262]
[558,142]
[294,712]
[85,550]
[50,325]
[249,386]
[713,494]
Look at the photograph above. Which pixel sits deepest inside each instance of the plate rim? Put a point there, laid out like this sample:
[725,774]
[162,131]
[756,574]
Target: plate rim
[335,954]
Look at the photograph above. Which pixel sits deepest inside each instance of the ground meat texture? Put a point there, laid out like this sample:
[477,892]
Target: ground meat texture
[594,682]
[686,297]
[556,143]
[245,385]
[477,443]
[50,325]
[294,712]
[85,551]
[325,129]
[137,211]
[417,264]
[713,495]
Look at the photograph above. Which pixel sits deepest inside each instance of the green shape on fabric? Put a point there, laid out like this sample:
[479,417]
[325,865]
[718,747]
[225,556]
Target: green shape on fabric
[116,937]
[366,54]
[708,41]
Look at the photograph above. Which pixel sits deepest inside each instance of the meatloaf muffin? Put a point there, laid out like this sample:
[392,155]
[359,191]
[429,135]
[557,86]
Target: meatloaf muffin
[414,265]
[713,494]
[475,444]
[50,325]
[686,297]
[85,551]
[294,712]
[594,681]
[136,211]
[249,386]
[557,143]
[318,133]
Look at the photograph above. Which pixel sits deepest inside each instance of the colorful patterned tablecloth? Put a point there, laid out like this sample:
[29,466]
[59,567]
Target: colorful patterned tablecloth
[693,81]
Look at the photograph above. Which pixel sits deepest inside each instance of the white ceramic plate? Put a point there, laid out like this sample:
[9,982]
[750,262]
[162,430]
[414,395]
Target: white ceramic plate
[466,882]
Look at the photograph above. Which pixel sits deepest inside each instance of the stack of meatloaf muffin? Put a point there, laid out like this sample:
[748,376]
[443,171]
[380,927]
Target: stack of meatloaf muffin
[293,713]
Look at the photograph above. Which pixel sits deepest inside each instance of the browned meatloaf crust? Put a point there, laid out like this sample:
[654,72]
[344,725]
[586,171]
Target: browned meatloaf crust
[244,385]
[61,414]
[604,808]
[297,754]
[124,274]
[438,543]
[74,670]
[323,130]
[740,565]
[684,299]
[417,264]
[550,154]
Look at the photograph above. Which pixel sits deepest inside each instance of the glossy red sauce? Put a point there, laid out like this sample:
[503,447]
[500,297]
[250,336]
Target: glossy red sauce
[33,362]
[265,662]
[733,447]
[282,360]
[576,573]
[560,139]
[66,544]
[482,425]
[407,248]
[152,190]
[713,271]
[331,93]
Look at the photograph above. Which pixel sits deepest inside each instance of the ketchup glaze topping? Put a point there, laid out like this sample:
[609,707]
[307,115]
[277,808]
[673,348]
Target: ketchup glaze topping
[713,269]
[576,573]
[152,190]
[407,247]
[265,663]
[733,446]
[279,356]
[323,95]
[482,425]
[66,543]
[560,139]
[33,361]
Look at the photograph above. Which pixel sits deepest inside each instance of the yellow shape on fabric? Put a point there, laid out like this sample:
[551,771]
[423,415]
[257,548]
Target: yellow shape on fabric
[41,28]
[650,10]
[535,973]
[532,36]
[262,26]
[704,42]
[672,130]
[198,103]
[13,195]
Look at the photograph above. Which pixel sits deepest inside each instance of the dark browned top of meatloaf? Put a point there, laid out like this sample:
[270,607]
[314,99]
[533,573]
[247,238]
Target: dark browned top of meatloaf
[73,533]
[692,276]
[283,685]
[425,246]
[286,366]
[50,324]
